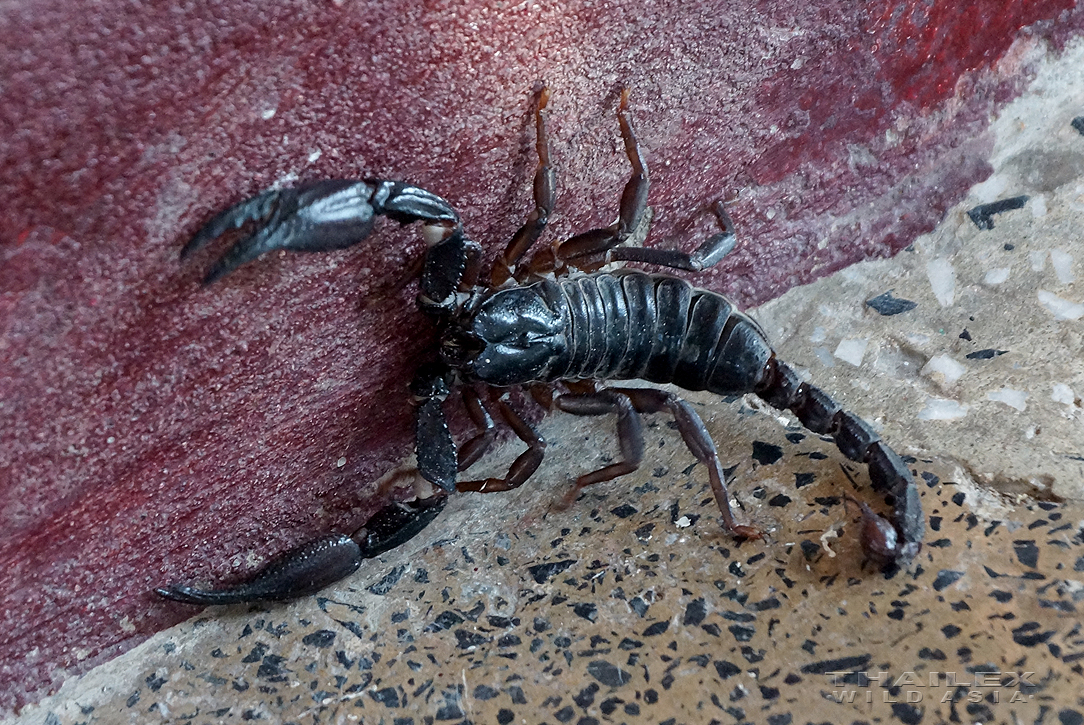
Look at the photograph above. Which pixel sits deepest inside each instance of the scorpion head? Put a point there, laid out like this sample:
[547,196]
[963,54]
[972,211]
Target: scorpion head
[511,336]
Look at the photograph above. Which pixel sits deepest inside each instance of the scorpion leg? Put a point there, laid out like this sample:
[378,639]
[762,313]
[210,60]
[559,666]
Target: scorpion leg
[598,246]
[630,434]
[322,216]
[310,567]
[544,199]
[896,542]
[476,447]
[523,467]
[700,444]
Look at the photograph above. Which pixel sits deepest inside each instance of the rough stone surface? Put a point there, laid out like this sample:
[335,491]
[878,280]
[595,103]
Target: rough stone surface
[151,430]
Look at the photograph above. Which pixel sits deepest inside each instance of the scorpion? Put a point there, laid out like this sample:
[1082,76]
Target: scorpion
[559,319]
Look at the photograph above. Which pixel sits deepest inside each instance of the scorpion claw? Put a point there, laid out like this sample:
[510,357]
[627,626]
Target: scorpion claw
[253,209]
[300,571]
[310,567]
[319,217]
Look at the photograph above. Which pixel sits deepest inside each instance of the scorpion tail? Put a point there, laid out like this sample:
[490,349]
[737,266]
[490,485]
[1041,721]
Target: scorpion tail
[310,567]
[896,542]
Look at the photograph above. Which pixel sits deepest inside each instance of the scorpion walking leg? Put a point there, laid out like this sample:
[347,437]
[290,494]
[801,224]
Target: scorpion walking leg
[523,467]
[697,438]
[476,447]
[598,246]
[817,411]
[630,434]
[544,199]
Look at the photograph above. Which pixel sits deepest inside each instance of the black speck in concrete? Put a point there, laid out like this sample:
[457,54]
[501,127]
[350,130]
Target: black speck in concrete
[485,692]
[888,305]
[694,613]
[809,549]
[466,640]
[983,214]
[1070,717]
[986,354]
[623,511]
[256,654]
[586,610]
[946,578]
[907,713]
[779,500]
[320,638]
[542,573]
[608,674]
[965,335]
[726,669]
[1078,124]
[1027,553]
[656,629]
[1026,635]
[390,580]
[445,620]
[856,663]
[766,453]
[586,697]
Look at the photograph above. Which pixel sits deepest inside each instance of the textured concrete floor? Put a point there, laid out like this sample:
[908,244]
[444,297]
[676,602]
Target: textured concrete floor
[632,606]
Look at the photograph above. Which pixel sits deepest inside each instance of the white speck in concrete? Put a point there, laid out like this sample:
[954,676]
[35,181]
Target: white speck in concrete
[1037,204]
[683,522]
[1062,393]
[268,114]
[341,462]
[819,335]
[1012,398]
[991,189]
[824,356]
[943,365]
[942,280]
[852,350]
[942,409]
[1037,259]
[996,276]
[1062,309]
[315,155]
[1063,265]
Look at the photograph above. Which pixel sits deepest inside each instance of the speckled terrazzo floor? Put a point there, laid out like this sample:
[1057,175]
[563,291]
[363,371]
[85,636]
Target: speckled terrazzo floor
[632,606]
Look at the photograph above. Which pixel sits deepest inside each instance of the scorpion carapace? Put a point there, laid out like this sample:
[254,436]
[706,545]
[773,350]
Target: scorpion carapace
[554,320]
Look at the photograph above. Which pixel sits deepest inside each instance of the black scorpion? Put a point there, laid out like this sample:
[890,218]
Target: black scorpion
[555,320]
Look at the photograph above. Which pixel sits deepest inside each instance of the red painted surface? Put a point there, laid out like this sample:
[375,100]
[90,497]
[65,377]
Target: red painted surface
[152,430]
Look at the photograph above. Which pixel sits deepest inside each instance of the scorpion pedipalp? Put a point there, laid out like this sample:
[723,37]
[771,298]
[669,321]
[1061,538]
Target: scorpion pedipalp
[308,568]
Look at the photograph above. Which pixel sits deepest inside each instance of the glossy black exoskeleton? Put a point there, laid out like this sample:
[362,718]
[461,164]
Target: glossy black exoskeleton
[556,321]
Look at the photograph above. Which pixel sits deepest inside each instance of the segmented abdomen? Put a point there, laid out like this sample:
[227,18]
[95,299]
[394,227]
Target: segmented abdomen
[661,329]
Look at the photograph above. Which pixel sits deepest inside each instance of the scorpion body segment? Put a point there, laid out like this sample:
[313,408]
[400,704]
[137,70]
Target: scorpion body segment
[556,321]
[611,326]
